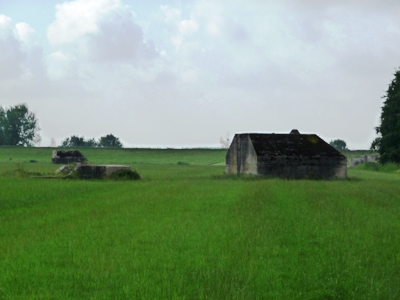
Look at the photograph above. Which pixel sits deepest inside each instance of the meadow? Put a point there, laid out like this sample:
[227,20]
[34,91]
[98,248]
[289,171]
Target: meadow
[187,231]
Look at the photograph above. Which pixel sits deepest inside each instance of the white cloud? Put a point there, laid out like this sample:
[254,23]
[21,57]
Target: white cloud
[187,27]
[26,34]
[77,18]
[18,50]
[171,15]
[99,31]
[5,22]
[57,65]
[213,28]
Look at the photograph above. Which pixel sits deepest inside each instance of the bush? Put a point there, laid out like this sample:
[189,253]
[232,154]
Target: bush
[125,174]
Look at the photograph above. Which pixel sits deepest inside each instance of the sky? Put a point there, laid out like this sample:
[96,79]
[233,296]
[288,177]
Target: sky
[187,73]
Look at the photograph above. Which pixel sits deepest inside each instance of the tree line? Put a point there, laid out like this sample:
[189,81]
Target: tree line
[107,141]
[20,127]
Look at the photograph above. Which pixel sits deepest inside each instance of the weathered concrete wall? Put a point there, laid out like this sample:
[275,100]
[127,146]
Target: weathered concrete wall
[67,157]
[371,158]
[365,159]
[241,157]
[303,167]
[357,161]
[97,171]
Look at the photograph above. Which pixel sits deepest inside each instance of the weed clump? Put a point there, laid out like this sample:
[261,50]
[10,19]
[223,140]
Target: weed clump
[20,171]
[125,174]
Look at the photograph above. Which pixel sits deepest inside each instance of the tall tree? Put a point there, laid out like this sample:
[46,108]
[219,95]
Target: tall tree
[338,144]
[110,141]
[18,126]
[388,143]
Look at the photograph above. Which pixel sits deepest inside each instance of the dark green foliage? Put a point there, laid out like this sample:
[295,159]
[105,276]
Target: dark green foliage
[110,141]
[74,141]
[91,143]
[338,144]
[376,144]
[18,126]
[125,174]
[388,144]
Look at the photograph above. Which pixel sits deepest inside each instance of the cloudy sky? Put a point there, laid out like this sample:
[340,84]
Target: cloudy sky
[170,73]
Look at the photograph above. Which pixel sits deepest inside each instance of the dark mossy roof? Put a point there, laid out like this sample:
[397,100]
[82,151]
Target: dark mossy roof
[291,145]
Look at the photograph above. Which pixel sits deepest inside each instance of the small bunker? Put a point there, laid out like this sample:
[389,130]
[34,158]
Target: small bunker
[84,171]
[291,155]
[67,157]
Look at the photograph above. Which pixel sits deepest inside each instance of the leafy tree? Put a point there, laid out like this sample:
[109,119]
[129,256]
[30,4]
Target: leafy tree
[73,141]
[338,144]
[110,141]
[18,126]
[388,143]
[91,143]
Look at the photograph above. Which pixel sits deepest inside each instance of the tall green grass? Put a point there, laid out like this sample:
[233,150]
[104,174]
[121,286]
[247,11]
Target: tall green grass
[369,166]
[184,233]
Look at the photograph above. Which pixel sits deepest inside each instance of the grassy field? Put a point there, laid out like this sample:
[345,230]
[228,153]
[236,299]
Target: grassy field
[188,232]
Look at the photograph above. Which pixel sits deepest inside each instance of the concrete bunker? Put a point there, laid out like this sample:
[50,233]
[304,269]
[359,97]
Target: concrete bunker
[67,157]
[84,171]
[293,155]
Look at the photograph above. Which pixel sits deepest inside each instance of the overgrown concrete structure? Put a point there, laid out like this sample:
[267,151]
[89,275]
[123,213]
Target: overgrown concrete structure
[67,157]
[98,171]
[364,159]
[291,155]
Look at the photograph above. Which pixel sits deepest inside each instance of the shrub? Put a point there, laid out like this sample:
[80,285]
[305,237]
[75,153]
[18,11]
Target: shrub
[125,174]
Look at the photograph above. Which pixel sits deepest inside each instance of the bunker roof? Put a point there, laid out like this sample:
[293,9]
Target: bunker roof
[293,144]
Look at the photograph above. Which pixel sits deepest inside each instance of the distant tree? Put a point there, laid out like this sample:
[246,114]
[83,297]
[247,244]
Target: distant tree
[107,141]
[53,142]
[224,143]
[110,141]
[338,144]
[3,126]
[73,141]
[92,143]
[18,126]
[388,141]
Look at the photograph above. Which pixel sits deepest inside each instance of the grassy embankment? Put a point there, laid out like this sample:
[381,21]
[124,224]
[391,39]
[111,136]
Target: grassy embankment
[186,232]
